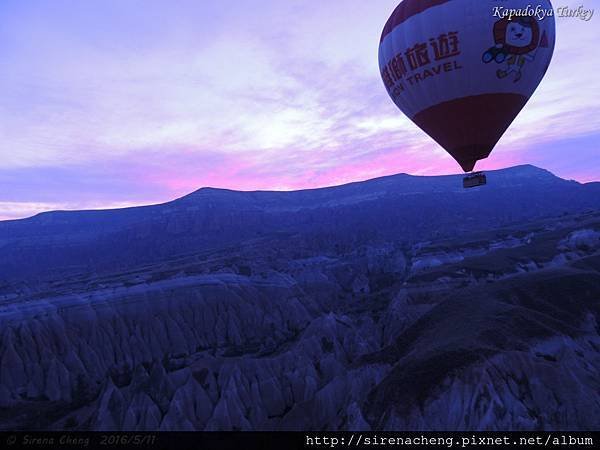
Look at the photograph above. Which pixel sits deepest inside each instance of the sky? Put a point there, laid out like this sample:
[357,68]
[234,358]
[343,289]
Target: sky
[113,103]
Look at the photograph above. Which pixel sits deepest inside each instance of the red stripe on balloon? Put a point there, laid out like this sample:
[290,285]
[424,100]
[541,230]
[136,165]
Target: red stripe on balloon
[405,11]
[469,128]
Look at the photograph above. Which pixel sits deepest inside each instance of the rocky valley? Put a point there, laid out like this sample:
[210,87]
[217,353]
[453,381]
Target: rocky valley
[401,303]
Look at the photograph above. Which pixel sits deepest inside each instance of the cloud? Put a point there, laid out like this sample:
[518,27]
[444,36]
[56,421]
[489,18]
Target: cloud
[132,102]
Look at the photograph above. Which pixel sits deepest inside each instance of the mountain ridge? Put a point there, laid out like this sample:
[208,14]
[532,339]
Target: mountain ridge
[395,208]
[444,180]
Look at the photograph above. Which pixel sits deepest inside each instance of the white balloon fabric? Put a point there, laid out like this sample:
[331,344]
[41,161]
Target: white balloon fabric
[462,70]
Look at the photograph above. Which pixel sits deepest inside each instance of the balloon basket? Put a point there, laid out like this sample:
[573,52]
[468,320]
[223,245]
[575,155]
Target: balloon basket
[474,180]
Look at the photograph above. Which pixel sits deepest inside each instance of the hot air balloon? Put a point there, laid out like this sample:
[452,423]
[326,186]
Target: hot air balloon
[462,70]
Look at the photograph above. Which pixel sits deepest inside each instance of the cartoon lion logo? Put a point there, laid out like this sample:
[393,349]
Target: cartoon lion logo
[516,42]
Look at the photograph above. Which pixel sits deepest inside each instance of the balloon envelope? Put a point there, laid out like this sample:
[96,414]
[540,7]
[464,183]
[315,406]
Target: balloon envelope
[462,70]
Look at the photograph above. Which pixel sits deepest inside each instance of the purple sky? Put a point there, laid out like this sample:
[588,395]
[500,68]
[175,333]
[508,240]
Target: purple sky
[109,103]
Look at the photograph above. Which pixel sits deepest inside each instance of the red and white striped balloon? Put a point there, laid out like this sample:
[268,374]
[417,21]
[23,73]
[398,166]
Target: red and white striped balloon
[462,70]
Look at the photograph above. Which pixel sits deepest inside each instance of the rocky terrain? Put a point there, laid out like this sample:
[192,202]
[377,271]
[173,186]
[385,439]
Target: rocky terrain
[401,303]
